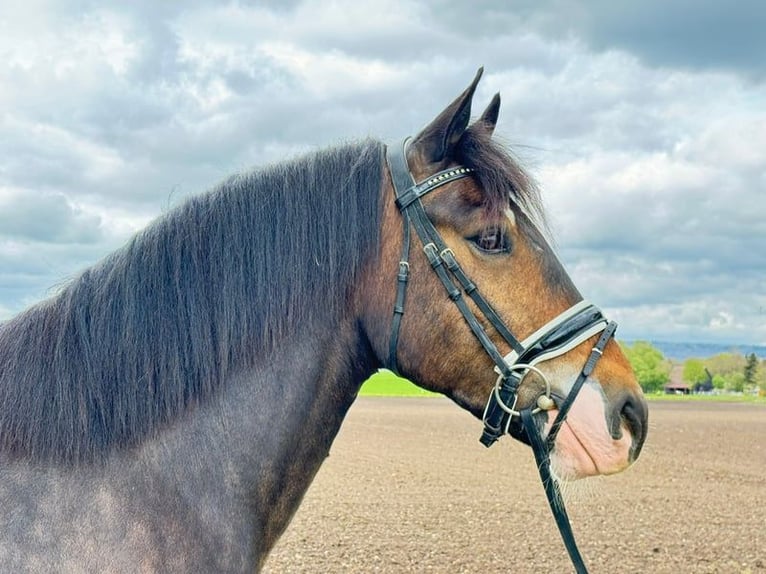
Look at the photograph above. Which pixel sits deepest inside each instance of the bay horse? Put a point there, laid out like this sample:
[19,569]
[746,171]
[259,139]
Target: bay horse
[166,410]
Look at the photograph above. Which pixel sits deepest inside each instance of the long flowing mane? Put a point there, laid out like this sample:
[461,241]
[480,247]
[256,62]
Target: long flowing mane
[207,289]
[156,326]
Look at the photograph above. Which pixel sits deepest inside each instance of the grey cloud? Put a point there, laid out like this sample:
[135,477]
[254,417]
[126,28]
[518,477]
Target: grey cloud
[31,269]
[684,33]
[48,218]
[212,89]
[670,245]
[715,34]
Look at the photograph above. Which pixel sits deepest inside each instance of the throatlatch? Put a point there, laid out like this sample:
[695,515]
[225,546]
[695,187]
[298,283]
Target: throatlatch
[571,328]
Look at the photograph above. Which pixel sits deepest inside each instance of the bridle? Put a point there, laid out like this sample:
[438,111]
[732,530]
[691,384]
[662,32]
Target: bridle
[560,335]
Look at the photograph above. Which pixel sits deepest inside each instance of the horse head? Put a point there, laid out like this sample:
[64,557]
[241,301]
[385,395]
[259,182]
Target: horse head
[492,319]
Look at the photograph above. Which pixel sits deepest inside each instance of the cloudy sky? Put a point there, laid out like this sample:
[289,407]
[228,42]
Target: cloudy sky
[644,123]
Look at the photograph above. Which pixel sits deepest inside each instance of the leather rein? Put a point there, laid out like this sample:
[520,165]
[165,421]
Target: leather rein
[566,331]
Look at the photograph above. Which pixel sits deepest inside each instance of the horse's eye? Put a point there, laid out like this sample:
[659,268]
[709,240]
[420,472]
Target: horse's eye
[493,241]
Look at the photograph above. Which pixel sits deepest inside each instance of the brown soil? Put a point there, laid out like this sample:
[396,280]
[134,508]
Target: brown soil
[408,488]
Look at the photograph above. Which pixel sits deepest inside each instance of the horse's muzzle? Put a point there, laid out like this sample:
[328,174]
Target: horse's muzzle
[631,410]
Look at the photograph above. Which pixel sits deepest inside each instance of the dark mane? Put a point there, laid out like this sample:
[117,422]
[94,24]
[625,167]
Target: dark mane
[156,326]
[500,176]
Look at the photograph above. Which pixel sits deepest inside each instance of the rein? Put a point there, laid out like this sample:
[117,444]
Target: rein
[566,331]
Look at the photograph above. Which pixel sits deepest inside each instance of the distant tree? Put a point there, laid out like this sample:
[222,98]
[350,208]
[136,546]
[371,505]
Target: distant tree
[694,371]
[735,382]
[719,382]
[751,369]
[728,368]
[649,364]
[725,363]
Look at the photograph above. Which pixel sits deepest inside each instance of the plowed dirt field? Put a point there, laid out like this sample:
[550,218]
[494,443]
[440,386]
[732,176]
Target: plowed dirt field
[408,488]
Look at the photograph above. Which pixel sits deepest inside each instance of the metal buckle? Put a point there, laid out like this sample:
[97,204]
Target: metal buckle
[432,253]
[546,404]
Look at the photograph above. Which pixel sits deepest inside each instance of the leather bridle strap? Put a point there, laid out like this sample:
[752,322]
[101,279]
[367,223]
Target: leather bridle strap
[560,335]
[440,257]
[552,492]
[586,371]
[401,179]
[402,279]
[542,449]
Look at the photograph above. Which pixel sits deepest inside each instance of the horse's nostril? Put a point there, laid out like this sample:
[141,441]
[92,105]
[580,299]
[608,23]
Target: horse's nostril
[633,412]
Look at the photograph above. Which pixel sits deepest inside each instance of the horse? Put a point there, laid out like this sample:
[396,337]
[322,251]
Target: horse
[168,407]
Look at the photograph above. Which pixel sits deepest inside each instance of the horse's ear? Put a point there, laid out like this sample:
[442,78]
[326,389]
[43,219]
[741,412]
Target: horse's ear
[437,139]
[488,119]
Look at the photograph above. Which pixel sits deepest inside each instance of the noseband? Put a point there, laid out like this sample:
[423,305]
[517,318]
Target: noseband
[560,335]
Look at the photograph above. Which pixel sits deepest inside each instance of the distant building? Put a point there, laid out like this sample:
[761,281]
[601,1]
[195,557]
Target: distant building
[677,389]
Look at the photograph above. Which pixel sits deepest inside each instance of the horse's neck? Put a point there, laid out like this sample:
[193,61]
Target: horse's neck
[211,492]
[272,427]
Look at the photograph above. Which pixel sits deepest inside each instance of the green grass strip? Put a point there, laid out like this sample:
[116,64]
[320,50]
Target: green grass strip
[722,398]
[386,384]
